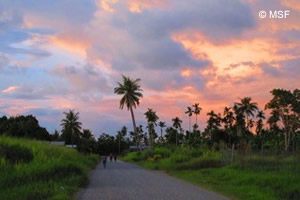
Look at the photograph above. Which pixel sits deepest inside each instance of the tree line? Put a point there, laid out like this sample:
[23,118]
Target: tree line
[241,125]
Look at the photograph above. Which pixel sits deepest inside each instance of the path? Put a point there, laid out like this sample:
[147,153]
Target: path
[124,181]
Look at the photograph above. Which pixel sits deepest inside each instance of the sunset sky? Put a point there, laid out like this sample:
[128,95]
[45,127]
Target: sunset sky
[69,54]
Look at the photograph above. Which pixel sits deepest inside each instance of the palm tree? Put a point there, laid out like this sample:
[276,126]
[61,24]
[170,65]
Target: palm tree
[189,112]
[152,119]
[131,91]
[70,126]
[176,124]
[197,110]
[259,124]
[162,125]
[228,119]
[246,108]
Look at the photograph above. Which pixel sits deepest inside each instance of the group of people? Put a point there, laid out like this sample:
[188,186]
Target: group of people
[111,158]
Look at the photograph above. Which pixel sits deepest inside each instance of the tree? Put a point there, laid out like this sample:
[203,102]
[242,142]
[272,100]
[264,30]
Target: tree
[71,127]
[189,112]
[259,128]
[87,134]
[197,110]
[246,108]
[162,125]
[131,91]
[228,119]
[120,136]
[152,119]
[177,124]
[259,124]
[285,112]
[23,126]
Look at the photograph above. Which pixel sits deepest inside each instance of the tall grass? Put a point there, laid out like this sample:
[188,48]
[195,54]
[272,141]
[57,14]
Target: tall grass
[253,177]
[52,172]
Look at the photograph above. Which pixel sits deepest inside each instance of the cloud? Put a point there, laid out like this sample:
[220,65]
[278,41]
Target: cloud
[10,89]
[85,81]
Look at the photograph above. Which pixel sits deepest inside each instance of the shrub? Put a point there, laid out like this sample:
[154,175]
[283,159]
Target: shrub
[200,163]
[162,151]
[15,153]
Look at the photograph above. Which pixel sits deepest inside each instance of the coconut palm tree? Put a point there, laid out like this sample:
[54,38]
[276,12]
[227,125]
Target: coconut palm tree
[152,119]
[177,124]
[197,110]
[162,125]
[189,112]
[71,126]
[246,108]
[132,92]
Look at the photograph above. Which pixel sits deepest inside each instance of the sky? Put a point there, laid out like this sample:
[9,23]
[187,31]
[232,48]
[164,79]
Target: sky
[69,54]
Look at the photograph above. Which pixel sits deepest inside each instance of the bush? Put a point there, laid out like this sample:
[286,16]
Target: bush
[200,163]
[15,153]
[54,173]
[162,151]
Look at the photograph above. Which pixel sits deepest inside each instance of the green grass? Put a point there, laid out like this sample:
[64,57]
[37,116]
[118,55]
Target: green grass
[254,178]
[34,170]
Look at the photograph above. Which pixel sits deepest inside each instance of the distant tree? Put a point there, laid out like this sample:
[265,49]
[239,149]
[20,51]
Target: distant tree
[285,113]
[71,127]
[87,142]
[55,136]
[171,135]
[23,126]
[189,112]
[197,110]
[228,120]
[131,91]
[151,119]
[259,124]
[121,139]
[141,136]
[246,108]
[162,125]
[106,144]
[177,124]
[87,134]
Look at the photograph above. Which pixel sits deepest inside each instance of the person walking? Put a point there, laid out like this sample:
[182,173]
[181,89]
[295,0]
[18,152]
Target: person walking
[110,157]
[104,159]
[115,157]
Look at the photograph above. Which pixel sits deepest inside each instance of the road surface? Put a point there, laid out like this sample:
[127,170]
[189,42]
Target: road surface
[124,181]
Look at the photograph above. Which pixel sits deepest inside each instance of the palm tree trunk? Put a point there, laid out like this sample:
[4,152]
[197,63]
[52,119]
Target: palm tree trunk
[150,135]
[190,124]
[134,127]
[176,137]
[72,137]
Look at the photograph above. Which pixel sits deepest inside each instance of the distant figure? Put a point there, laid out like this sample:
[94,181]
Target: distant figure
[115,157]
[110,157]
[104,159]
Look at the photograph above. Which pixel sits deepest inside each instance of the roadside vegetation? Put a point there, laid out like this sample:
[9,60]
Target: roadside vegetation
[37,170]
[252,176]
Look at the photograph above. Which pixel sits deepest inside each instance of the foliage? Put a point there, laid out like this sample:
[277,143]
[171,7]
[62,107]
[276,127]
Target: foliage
[264,176]
[71,127]
[131,93]
[23,126]
[52,173]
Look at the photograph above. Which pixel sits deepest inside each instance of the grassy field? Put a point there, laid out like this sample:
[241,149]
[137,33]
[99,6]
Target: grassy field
[33,170]
[251,178]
